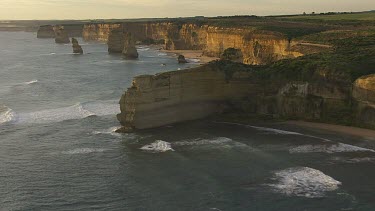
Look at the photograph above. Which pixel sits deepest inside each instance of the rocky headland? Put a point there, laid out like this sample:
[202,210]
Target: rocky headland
[312,88]
[270,68]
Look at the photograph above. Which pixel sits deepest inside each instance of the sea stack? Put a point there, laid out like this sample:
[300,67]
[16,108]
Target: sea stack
[46,31]
[130,51]
[116,41]
[61,36]
[76,47]
[232,54]
[181,59]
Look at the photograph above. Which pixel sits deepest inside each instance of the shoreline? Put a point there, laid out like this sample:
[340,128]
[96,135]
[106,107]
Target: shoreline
[192,54]
[348,130]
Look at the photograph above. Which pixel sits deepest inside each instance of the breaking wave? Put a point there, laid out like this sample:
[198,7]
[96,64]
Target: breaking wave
[77,111]
[83,151]
[354,160]
[303,181]
[31,82]
[143,49]
[6,115]
[333,148]
[218,141]
[275,131]
[158,146]
[266,129]
[194,60]
[110,131]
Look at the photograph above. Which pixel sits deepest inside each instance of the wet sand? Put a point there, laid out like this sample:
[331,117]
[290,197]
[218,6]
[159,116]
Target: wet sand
[192,54]
[354,131]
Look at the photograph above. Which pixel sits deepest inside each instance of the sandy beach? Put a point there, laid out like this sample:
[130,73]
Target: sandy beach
[354,131]
[192,54]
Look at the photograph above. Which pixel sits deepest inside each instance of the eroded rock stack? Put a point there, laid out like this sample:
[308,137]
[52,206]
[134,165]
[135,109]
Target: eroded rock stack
[61,36]
[232,54]
[116,41]
[181,59]
[129,51]
[76,47]
[46,31]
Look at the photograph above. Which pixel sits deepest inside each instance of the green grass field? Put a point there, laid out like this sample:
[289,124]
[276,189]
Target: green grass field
[366,16]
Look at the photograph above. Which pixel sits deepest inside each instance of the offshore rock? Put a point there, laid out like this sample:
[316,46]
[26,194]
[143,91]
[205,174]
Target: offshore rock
[76,47]
[46,31]
[232,54]
[116,41]
[129,51]
[61,36]
[181,59]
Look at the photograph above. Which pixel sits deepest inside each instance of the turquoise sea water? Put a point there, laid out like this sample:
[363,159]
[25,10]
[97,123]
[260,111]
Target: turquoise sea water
[58,150]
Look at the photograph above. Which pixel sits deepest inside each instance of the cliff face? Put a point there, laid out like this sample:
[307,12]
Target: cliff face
[130,51]
[116,41]
[257,47]
[178,96]
[364,94]
[171,97]
[61,36]
[46,31]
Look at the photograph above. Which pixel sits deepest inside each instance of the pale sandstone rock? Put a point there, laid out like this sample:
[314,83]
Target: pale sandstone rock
[129,51]
[61,36]
[46,31]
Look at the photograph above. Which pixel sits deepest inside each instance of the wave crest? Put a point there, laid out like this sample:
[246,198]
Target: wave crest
[304,181]
[77,111]
[333,148]
[8,115]
[83,151]
[158,146]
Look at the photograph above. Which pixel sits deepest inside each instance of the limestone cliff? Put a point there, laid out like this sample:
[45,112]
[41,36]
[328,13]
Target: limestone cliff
[129,51]
[77,49]
[116,41]
[61,36]
[257,46]
[177,96]
[46,31]
[157,100]
[364,94]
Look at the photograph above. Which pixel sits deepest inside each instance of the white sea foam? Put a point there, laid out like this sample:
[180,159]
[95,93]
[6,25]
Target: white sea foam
[110,131]
[194,60]
[7,115]
[162,54]
[354,160]
[331,148]
[31,82]
[158,146]
[143,49]
[83,151]
[78,111]
[193,142]
[276,131]
[303,181]
[213,142]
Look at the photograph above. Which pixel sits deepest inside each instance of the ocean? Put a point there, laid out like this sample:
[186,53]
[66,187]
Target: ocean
[59,151]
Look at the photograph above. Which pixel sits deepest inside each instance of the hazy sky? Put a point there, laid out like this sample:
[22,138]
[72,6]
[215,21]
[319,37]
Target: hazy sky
[91,9]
